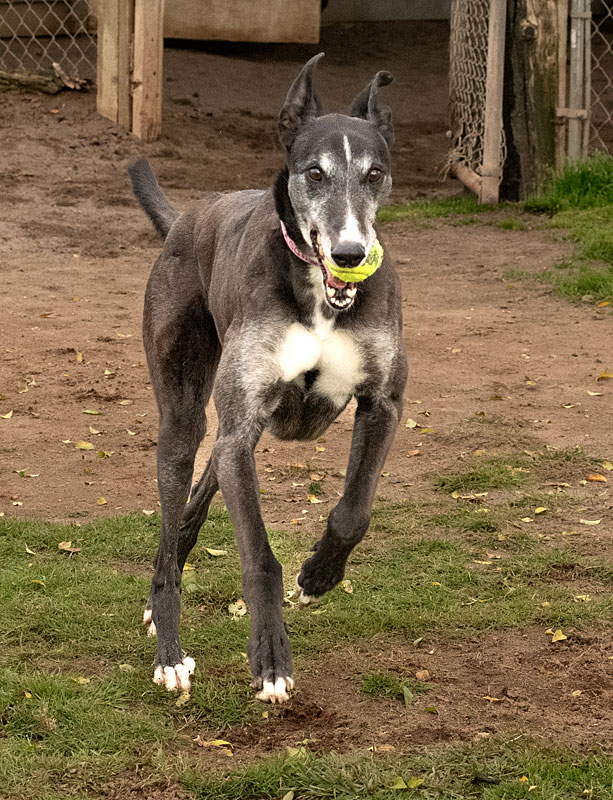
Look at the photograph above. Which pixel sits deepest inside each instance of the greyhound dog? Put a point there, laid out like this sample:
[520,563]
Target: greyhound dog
[243,304]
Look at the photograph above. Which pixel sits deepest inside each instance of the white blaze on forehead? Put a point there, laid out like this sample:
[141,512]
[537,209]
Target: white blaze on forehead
[351,230]
[347,149]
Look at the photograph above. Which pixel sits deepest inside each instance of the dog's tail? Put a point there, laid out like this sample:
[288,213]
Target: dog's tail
[150,196]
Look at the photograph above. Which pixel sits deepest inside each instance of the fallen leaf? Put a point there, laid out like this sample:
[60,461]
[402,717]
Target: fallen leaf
[492,699]
[317,476]
[558,636]
[540,510]
[399,783]
[79,357]
[413,783]
[312,499]
[607,465]
[81,680]
[212,552]
[289,795]
[84,445]
[8,415]
[386,748]
[237,609]
[130,433]
[589,521]
[407,695]
[410,423]
[105,453]
[577,692]
[436,583]
[31,552]
[527,519]
[127,668]
[414,452]
[422,675]
[125,402]
[101,501]
[582,598]
[92,413]
[17,502]
[596,477]
[605,376]
[67,547]
[604,303]
[41,583]
[427,430]
[347,587]
[432,710]
[594,394]
[319,449]
[182,699]
[523,779]
[94,431]
[149,512]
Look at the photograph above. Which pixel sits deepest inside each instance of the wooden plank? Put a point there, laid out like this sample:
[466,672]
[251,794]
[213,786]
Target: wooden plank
[576,76]
[243,20]
[115,25]
[148,66]
[491,170]
[562,55]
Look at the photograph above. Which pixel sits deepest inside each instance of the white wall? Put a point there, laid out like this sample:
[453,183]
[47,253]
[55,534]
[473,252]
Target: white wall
[363,10]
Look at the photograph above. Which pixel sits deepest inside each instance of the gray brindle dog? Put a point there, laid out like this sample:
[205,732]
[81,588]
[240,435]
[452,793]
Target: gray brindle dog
[242,305]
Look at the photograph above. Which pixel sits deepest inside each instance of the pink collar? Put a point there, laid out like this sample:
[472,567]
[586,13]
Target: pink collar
[294,247]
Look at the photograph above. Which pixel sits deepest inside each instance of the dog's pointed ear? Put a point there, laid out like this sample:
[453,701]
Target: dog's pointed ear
[366,106]
[301,103]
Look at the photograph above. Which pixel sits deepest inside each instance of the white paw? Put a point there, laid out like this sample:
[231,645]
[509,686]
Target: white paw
[177,677]
[276,692]
[147,620]
[303,598]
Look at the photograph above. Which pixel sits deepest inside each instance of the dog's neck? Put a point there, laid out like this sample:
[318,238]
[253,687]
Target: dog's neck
[306,282]
[285,210]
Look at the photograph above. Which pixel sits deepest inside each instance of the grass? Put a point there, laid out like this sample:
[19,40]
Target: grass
[493,770]
[78,707]
[580,200]
[444,207]
[390,686]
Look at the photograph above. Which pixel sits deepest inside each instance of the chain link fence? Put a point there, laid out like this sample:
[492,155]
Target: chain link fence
[48,38]
[601,113]
[468,51]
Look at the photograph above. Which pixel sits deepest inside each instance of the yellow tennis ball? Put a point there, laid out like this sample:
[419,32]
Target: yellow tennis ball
[365,270]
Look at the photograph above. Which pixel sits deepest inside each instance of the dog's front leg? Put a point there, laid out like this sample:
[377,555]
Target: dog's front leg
[376,421]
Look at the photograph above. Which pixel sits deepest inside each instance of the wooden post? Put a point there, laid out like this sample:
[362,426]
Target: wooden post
[491,173]
[148,63]
[576,82]
[562,55]
[115,21]
[531,95]
[587,88]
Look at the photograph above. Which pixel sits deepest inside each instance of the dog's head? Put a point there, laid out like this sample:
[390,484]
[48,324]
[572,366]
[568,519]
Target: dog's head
[338,174]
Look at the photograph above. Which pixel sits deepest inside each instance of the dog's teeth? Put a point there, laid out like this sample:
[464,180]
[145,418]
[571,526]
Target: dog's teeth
[331,291]
[352,292]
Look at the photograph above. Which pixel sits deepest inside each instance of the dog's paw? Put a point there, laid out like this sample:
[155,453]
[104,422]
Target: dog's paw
[148,621]
[305,599]
[176,678]
[275,692]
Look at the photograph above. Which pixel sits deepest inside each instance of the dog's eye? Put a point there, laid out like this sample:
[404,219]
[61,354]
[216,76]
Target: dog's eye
[315,174]
[374,175]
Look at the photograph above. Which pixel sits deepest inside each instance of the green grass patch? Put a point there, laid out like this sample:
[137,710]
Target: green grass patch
[586,184]
[432,209]
[494,770]
[512,224]
[392,687]
[484,474]
[77,704]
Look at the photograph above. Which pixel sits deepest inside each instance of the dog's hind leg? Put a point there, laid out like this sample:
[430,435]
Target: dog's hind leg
[183,352]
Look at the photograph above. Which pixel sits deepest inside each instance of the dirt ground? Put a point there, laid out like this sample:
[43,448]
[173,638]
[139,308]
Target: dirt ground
[75,253]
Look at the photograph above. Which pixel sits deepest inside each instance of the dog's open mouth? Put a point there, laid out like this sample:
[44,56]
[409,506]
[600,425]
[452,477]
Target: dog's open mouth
[339,294]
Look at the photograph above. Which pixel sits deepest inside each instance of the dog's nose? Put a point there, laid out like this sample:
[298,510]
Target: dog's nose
[348,254]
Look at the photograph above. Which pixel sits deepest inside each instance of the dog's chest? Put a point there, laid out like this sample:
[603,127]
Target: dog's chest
[333,356]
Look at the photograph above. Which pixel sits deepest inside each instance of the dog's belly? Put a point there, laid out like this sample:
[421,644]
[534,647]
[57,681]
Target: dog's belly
[322,374]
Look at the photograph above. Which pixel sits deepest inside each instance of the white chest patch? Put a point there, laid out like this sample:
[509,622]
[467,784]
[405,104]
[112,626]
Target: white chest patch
[335,354]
